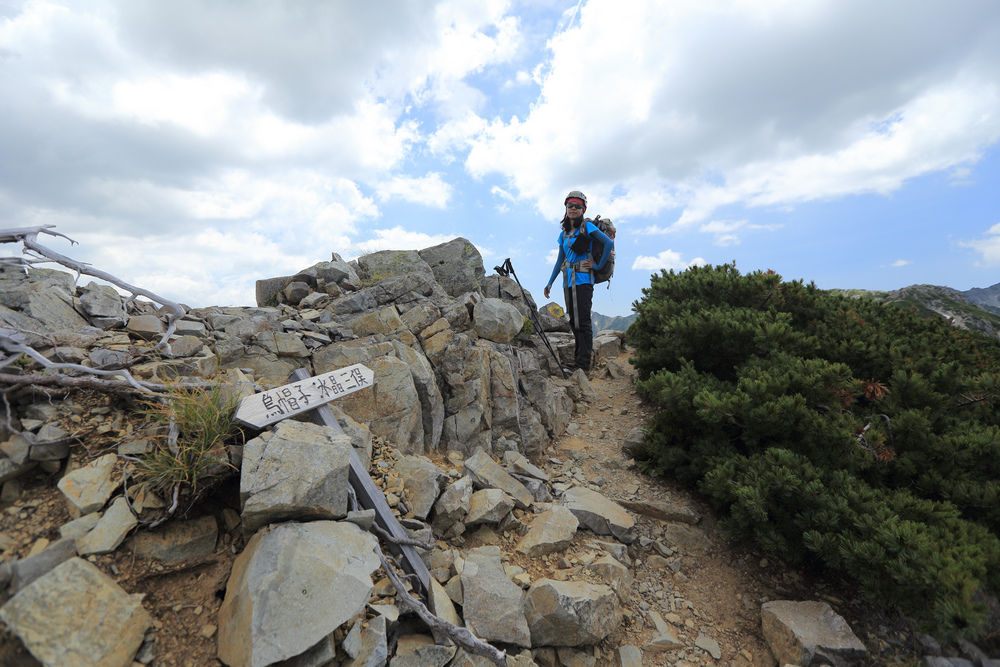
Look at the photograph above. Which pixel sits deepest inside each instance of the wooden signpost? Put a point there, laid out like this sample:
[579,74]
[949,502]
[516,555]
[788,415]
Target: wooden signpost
[305,393]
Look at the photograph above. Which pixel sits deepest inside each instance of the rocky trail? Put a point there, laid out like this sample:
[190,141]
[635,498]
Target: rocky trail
[703,593]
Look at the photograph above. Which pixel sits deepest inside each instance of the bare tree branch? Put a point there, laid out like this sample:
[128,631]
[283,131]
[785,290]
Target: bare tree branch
[28,236]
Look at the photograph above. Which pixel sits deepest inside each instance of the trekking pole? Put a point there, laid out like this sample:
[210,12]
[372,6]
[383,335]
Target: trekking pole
[506,270]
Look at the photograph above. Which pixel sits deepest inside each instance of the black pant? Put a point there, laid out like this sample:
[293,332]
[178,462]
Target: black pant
[583,328]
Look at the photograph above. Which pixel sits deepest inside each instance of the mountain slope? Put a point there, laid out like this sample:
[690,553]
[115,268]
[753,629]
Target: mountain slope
[934,300]
[602,322]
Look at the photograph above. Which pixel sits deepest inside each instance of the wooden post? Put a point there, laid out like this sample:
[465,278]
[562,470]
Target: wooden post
[371,497]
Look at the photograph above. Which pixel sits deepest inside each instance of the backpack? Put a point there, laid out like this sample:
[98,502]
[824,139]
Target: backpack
[597,249]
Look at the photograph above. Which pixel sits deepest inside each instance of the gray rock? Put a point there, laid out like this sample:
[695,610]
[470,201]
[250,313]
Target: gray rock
[614,574]
[687,537]
[179,542]
[519,465]
[553,318]
[457,266]
[665,637]
[487,473]
[492,603]
[441,606]
[420,651]
[497,321]
[599,514]
[423,481]
[10,469]
[379,266]
[570,613]
[363,519]
[606,348]
[634,442]
[488,506]
[145,327]
[283,579]
[39,300]
[807,633]
[110,530]
[453,505]
[668,511]
[299,470]
[25,571]
[80,527]
[103,305]
[77,615]
[425,382]
[550,532]
[17,448]
[371,648]
[709,645]
[629,656]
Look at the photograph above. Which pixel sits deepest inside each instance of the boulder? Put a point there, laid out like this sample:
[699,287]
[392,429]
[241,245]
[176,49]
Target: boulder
[488,506]
[492,603]
[599,514]
[179,542]
[370,648]
[457,266]
[664,510]
[551,531]
[384,264]
[103,306]
[77,615]
[297,471]
[487,473]
[292,586]
[110,530]
[809,633]
[453,505]
[423,481]
[497,320]
[570,613]
[420,651]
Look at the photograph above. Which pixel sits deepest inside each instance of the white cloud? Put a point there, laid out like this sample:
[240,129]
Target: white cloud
[742,103]
[668,259]
[988,248]
[429,190]
[900,262]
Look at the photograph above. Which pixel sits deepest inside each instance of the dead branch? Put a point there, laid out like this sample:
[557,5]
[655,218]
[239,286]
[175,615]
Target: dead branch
[28,236]
[461,636]
[404,541]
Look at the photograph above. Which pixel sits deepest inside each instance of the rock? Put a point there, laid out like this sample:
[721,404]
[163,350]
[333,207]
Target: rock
[497,321]
[371,649]
[634,444]
[453,505]
[614,574]
[570,613]
[629,656]
[571,657]
[293,585]
[486,472]
[665,638]
[423,480]
[77,615]
[519,465]
[441,606]
[670,512]
[425,382]
[488,506]
[103,306]
[89,487]
[686,537]
[420,651]
[457,266]
[550,532]
[709,645]
[10,469]
[299,470]
[110,530]
[179,542]
[807,633]
[492,603]
[145,327]
[25,571]
[600,515]
[80,527]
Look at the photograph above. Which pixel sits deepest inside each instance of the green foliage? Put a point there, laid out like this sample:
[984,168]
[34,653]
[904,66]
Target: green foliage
[839,432]
[204,421]
[527,328]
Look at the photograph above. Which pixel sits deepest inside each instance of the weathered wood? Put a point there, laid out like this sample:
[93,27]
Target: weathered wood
[301,395]
[371,497]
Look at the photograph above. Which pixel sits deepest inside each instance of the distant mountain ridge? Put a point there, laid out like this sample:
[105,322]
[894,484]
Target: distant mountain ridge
[977,309]
[619,323]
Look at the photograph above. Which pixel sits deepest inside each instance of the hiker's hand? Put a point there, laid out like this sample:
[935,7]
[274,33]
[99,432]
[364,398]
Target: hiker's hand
[586,265]
[546,292]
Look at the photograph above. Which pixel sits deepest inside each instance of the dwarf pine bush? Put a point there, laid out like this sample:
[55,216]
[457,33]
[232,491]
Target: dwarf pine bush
[836,432]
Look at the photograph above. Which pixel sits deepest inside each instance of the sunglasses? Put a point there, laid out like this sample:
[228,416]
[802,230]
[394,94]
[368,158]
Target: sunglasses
[574,205]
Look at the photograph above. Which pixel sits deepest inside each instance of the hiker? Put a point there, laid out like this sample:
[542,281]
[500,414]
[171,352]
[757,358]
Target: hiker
[575,262]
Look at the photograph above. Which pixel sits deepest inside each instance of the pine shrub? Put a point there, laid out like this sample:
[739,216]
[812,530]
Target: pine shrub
[837,432]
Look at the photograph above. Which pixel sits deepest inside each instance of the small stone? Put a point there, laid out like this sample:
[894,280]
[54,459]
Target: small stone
[208,631]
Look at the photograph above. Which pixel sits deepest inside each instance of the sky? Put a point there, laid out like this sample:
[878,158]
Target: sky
[193,147]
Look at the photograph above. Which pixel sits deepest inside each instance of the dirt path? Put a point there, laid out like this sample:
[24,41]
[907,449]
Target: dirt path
[713,590]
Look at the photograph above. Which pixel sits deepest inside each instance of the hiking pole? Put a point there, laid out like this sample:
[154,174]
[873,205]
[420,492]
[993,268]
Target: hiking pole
[506,270]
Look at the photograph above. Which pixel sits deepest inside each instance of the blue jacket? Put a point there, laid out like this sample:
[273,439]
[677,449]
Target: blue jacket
[566,254]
